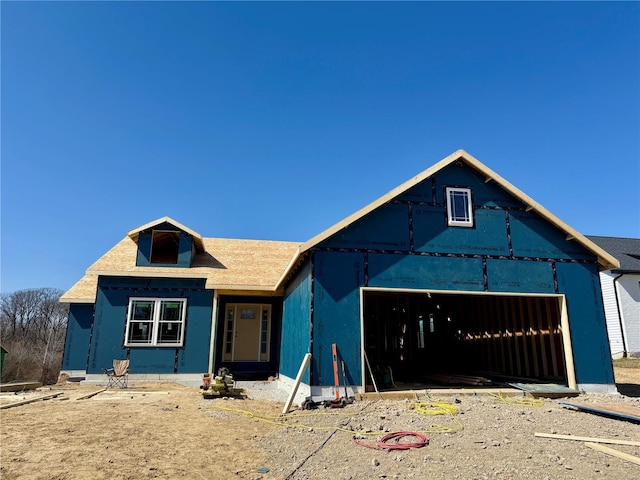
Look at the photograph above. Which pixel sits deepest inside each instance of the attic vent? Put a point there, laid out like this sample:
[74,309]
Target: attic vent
[165,247]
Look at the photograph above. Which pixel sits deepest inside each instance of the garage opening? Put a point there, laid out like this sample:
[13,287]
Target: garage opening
[413,339]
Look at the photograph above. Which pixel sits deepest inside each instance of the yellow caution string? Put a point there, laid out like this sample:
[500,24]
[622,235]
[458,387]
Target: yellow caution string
[519,401]
[289,421]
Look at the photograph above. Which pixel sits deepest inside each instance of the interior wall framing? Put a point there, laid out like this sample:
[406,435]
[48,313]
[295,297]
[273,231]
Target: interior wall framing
[507,333]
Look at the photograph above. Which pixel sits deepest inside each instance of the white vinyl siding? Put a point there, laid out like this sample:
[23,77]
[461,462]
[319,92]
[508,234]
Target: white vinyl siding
[629,299]
[611,313]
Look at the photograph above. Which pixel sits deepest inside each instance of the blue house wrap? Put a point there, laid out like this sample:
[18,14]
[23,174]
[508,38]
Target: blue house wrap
[455,272]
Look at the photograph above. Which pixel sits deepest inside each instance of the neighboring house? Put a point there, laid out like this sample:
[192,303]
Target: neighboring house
[621,295]
[455,270]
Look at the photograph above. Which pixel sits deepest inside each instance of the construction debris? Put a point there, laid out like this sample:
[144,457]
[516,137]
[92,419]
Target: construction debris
[222,385]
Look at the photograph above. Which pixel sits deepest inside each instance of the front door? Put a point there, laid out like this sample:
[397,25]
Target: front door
[247,332]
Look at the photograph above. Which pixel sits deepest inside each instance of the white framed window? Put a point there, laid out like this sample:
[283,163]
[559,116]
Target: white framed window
[155,322]
[459,207]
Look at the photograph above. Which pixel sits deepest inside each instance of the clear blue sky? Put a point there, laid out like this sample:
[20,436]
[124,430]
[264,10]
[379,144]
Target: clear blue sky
[276,120]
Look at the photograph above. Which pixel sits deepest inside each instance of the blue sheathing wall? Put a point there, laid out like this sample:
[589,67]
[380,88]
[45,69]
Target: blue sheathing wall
[407,244]
[296,323]
[186,248]
[76,345]
[107,341]
[336,314]
[591,354]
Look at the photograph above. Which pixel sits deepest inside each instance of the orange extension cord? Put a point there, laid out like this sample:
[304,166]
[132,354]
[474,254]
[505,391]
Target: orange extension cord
[383,445]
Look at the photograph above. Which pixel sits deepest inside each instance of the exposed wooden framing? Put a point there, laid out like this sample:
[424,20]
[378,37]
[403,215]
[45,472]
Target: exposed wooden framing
[532,335]
[498,344]
[588,439]
[523,334]
[552,336]
[505,315]
[486,340]
[543,348]
[504,333]
[566,341]
[613,452]
[515,336]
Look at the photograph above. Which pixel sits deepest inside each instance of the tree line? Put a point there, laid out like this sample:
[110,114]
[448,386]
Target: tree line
[33,326]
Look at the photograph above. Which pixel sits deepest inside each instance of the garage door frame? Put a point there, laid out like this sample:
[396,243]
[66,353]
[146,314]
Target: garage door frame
[562,308]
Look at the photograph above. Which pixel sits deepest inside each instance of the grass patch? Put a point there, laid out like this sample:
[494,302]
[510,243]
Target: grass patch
[627,362]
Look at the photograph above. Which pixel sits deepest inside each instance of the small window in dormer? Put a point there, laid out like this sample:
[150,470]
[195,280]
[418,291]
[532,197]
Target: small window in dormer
[459,207]
[165,247]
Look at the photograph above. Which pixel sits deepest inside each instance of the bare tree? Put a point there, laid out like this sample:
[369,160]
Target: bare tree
[32,327]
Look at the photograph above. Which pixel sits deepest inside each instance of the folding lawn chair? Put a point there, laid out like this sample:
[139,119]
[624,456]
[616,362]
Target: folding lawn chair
[118,376]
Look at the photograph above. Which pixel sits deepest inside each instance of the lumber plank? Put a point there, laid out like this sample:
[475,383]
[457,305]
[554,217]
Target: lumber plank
[613,452]
[89,395]
[612,441]
[303,367]
[30,400]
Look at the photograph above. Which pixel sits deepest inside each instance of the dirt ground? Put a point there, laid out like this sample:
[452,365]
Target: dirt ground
[170,432]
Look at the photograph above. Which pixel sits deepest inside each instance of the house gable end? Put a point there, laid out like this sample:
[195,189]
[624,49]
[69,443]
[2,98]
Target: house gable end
[417,190]
[416,222]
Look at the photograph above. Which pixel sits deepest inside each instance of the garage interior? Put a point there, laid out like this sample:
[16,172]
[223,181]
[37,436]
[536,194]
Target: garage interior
[426,339]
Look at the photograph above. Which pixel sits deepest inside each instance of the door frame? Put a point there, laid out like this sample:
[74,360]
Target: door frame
[230,336]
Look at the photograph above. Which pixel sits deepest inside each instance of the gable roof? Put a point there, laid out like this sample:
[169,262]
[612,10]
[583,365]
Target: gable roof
[605,260]
[224,264]
[263,265]
[626,250]
[197,238]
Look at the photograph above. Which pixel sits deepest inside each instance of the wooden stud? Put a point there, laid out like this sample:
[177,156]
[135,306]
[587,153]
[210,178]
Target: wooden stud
[486,340]
[505,316]
[521,330]
[552,322]
[530,323]
[89,395]
[542,341]
[613,452]
[566,343]
[498,320]
[31,400]
[588,439]
[516,342]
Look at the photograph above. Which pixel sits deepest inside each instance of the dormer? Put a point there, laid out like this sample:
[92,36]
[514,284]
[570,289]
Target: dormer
[165,243]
